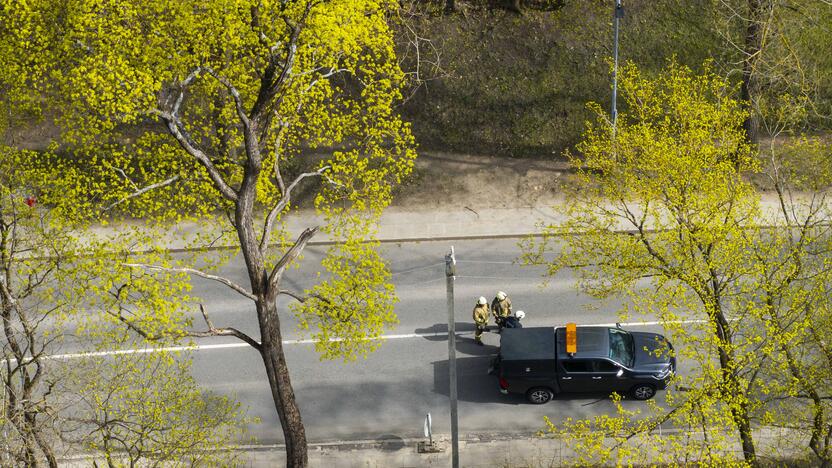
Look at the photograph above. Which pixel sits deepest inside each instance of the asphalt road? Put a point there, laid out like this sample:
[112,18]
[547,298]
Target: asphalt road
[388,394]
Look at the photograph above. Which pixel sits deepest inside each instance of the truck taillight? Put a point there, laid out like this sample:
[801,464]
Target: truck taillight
[503,383]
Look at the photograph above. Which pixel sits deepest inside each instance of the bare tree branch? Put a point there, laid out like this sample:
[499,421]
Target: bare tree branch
[301,298]
[128,179]
[278,176]
[282,204]
[183,85]
[142,191]
[183,138]
[271,84]
[238,101]
[257,27]
[177,129]
[291,255]
[132,326]
[292,294]
[202,274]
[213,331]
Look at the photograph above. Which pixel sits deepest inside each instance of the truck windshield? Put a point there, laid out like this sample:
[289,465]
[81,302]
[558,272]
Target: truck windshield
[621,347]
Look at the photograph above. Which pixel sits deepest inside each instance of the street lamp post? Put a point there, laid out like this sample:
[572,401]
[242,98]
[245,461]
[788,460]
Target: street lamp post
[450,274]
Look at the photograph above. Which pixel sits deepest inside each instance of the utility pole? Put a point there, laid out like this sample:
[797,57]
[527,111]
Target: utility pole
[617,15]
[450,274]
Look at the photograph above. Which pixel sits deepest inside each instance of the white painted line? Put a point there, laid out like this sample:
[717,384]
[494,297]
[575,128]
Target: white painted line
[645,324]
[298,342]
[147,350]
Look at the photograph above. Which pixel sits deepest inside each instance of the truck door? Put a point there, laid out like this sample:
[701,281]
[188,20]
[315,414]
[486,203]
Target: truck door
[576,375]
[605,376]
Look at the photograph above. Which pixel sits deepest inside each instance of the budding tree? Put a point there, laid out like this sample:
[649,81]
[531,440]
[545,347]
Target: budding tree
[231,110]
[661,214]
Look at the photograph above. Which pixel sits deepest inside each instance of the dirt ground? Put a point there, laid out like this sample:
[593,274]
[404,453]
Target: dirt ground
[476,181]
[439,180]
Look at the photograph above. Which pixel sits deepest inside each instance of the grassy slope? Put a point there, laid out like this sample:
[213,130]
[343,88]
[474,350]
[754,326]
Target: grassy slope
[517,85]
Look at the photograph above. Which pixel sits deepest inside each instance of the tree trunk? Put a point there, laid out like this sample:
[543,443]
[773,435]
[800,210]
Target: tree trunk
[271,346]
[743,421]
[284,396]
[732,384]
[752,47]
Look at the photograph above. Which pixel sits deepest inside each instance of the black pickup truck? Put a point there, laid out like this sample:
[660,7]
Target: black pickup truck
[535,362]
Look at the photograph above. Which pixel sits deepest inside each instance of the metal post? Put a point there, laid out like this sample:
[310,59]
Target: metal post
[4,421]
[617,14]
[450,273]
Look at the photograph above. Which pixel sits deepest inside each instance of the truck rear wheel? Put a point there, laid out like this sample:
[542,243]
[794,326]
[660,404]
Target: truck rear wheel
[539,395]
[643,392]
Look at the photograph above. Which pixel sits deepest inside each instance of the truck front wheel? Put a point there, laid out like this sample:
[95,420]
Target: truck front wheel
[643,392]
[539,395]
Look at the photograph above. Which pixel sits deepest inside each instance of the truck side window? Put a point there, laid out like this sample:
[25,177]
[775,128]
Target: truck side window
[602,365]
[621,347]
[577,366]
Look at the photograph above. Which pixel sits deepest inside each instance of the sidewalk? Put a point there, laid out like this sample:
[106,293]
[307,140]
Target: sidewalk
[485,450]
[491,450]
[403,224]
[464,222]
[396,225]
[475,451]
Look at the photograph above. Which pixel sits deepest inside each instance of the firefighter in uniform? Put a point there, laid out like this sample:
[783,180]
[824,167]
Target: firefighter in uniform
[480,319]
[501,308]
[513,321]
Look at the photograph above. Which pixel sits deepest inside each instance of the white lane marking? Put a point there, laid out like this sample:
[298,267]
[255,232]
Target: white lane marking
[646,324]
[296,342]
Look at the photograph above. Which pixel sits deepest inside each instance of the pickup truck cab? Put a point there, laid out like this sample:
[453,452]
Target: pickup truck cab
[535,362]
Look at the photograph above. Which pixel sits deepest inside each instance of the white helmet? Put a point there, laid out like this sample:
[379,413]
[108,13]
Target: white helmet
[482,301]
[519,314]
[501,295]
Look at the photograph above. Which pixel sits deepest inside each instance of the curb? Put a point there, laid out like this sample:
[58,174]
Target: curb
[391,240]
[364,444]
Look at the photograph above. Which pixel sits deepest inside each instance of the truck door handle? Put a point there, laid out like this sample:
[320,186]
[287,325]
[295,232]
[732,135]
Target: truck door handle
[566,378]
[597,378]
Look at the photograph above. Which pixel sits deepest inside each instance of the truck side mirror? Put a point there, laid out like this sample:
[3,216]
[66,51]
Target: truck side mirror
[620,372]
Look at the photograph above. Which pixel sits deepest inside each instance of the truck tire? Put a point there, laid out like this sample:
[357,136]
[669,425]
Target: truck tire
[539,395]
[643,392]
